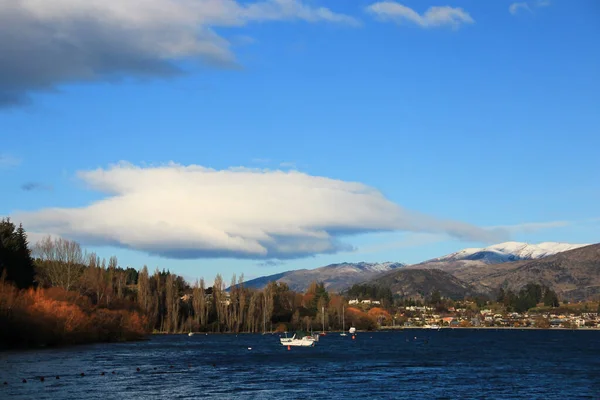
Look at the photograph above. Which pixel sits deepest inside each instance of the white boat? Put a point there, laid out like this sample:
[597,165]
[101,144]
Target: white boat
[191,334]
[304,341]
[436,327]
[352,330]
[343,324]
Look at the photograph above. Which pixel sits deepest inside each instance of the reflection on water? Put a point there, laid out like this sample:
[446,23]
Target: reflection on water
[404,364]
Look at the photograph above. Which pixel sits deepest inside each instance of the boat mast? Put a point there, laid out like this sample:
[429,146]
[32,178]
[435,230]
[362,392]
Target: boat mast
[323,313]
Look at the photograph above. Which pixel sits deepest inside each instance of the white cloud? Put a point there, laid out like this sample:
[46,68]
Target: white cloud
[515,7]
[193,212]
[45,43]
[433,17]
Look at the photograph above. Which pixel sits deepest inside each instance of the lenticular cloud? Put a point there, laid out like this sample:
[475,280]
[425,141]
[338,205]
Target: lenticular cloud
[45,43]
[191,211]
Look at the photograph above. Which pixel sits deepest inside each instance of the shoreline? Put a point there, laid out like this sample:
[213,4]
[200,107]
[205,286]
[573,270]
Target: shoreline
[387,329]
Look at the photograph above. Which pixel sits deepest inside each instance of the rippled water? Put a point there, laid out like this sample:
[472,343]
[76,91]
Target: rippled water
[404,364]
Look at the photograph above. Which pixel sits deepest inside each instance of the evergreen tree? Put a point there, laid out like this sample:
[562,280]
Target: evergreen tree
[16,264]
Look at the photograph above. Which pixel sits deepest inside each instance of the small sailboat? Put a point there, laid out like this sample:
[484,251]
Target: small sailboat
[191,334]
[300,340]
[343,324]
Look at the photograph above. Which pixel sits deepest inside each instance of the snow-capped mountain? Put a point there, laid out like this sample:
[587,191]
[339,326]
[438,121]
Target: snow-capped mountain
[334,276]
[509,251]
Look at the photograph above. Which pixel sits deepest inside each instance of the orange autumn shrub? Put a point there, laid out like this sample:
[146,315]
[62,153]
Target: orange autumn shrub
[379,314]
[55,316]
[360,319]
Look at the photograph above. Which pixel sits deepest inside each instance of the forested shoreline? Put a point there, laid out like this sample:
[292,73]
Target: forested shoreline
[56,293]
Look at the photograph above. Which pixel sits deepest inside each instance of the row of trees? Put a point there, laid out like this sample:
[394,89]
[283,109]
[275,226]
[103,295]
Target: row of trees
[58,274]
[528,297]
[371,292]
[164,302]
[63,296]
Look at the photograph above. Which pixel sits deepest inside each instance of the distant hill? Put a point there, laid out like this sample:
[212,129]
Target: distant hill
[573,274]
[572,270]
[507,252]
[422,282]
[471,264]
[335,276]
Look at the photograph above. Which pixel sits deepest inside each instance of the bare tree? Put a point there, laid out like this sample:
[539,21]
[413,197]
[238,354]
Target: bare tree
[199,303]
[143,288]
[219,299]
[242,302]
[120,283]
[62,261]
[172,303]
[253,310]
[232,308]
[268,304]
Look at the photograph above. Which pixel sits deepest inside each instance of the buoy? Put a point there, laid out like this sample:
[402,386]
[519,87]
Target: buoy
[114,372]
[82,374]
[353,337]
[42,379]
[6,383]
[137,369]
[170,366]
[57,377]
[249,348]
[24,380]
[102,373]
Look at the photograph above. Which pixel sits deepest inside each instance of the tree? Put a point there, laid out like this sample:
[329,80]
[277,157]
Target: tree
[219,300]
[501,295]
[199,303]
[242,302]
[436,298]
[172,304]
[61,261]
[550,298]
[15,257]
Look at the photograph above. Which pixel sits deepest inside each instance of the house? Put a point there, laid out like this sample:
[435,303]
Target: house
[356,301]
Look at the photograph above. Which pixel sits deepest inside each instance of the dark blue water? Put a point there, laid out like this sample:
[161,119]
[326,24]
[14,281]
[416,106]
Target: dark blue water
[481,364]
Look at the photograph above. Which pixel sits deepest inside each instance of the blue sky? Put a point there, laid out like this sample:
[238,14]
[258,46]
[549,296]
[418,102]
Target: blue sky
[483,113]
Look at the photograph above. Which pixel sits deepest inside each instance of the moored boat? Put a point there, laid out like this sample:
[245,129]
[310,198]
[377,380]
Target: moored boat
[298,340]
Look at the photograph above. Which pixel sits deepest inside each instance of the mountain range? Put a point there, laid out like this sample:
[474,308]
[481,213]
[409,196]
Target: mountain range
[335,277]
[572,270]
[508,251]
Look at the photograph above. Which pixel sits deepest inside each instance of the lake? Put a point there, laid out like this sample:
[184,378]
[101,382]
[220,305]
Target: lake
[415,364]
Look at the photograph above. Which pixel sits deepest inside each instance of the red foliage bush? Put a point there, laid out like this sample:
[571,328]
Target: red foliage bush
[360,319]
[55,316]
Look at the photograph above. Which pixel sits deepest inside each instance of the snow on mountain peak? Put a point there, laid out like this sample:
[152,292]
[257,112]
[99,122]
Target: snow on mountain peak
[510,251]
[361,267]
